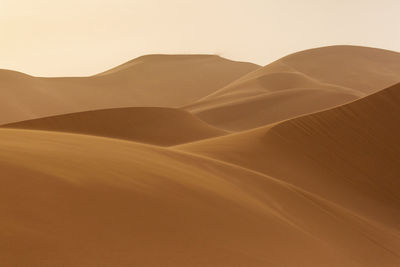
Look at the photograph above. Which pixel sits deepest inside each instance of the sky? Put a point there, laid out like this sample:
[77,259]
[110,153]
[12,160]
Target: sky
[85,37]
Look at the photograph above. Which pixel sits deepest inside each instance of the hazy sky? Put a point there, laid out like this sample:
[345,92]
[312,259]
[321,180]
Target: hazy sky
[83,37]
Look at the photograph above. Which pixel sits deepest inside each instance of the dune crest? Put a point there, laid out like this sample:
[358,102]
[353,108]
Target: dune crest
[297,84]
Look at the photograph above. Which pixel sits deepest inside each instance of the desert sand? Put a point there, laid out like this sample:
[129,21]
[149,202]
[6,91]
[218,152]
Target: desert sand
[203,161]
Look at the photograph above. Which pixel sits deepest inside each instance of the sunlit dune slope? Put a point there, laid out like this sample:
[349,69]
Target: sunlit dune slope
[349,155]
[300,83]
[76,200]
[158,126]
[361,68]
[154,80]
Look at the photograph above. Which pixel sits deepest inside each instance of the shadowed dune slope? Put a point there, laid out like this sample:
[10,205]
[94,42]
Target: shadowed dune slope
[76,200]
[158,126]
[300,83]
[154,80]
[349,155]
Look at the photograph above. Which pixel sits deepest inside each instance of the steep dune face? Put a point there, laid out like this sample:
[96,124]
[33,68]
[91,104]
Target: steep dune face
[158,126]
[75,200]
[155,80]
[349,155]
[298,84]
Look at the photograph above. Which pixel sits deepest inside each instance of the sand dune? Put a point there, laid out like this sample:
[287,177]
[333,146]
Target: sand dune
[349,155]
[158,126]
[311,180]
[154,80]
[298,84]
[75,200]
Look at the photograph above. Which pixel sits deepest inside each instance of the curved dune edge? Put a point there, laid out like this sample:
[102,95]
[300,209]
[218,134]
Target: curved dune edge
[255,111]
[124,202]
[153,80]
[348,155]
[301,83]
[150,125]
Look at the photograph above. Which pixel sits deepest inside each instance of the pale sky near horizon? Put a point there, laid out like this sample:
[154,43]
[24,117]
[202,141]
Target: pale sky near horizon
[84,37]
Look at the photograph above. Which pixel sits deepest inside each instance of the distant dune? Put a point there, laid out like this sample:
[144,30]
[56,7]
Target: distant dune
[154,80]
[158,126]
[361,68]
[298,84]
[295,164]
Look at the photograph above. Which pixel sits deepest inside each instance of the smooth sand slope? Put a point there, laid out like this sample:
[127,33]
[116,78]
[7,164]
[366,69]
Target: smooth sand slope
[298,84]
[158,126]
[154,80]
[76,200]
[348,155]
